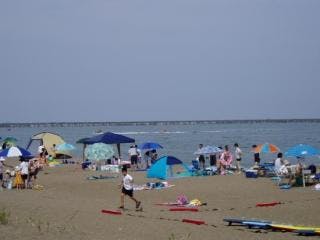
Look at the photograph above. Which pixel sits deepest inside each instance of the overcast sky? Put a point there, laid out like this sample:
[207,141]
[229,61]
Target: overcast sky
[128,60]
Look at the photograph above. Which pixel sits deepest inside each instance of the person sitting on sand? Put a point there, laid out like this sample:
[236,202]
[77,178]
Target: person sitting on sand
[127,189]
[225,160]
[279,165]
[154,156]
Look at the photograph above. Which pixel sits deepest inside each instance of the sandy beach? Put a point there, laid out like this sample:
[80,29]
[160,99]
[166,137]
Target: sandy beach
[70,207]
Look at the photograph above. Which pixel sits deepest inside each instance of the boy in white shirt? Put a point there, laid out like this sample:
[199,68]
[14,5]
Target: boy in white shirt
[24,169]
[127,189]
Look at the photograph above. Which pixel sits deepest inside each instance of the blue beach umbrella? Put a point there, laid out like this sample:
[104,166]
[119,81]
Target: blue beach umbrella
[15,152]
[65,147]
[150,145]
[98,152]
[301,151]
[208,150]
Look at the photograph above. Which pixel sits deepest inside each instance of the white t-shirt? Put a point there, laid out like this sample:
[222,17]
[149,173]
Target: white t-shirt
[132,151]
[238,153]
[40,149]
[277,164]
[127,182]
[24,168]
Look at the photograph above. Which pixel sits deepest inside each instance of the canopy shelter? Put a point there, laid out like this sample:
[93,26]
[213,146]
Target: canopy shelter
[47,139]
[82,141]
[108,138]
[168,167]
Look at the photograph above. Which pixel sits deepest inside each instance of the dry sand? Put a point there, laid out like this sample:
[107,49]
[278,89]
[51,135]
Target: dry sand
[69,208]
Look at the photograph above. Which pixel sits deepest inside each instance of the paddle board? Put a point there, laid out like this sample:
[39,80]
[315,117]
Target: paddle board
[291,228]
[240,221]
[260,225]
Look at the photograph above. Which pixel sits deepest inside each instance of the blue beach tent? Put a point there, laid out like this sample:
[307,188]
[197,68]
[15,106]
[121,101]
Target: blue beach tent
[168,167]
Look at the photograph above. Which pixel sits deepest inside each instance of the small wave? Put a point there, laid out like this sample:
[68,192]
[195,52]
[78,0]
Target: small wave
[132,133]
[212,131]
[157,132]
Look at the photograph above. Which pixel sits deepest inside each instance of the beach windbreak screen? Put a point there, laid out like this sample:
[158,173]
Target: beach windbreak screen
[159,60]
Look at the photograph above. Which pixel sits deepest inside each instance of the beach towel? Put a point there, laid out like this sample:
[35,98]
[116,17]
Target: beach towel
[152,186]
[100,177]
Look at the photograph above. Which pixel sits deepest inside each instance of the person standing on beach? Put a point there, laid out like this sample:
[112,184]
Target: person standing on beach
[127,189]
[238,155]
[133,154]
[202,159]
[24,170]
[256,155]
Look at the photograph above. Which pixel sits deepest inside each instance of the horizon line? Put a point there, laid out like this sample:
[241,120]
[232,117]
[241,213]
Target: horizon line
[3,124]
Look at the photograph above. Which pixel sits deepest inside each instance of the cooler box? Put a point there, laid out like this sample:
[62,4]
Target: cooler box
[252,173]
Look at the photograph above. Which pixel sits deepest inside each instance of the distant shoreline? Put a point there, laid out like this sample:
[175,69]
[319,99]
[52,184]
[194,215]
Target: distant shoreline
[150,123]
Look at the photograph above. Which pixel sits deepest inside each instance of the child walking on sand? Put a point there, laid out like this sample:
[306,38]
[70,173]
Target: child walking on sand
[127,189]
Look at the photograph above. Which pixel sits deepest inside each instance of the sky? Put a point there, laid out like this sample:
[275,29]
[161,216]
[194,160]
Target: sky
[145,60]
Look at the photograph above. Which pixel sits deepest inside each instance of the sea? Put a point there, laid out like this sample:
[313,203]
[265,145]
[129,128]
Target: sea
[181,138]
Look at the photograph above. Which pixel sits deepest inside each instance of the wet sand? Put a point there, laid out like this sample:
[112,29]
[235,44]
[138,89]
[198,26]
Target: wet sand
[70,207]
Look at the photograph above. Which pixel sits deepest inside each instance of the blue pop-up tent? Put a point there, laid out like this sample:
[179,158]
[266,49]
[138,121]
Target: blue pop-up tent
[168,167]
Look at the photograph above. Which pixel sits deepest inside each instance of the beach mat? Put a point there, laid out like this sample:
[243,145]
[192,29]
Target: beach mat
[100,177]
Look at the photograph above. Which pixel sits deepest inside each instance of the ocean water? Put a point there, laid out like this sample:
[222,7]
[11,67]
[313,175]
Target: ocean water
[181,140]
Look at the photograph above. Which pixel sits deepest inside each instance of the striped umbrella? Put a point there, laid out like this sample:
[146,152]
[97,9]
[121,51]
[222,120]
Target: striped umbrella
[266,148]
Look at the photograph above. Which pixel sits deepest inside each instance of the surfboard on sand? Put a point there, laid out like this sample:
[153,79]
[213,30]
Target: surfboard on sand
[255,224]
[292,228]
[240,221]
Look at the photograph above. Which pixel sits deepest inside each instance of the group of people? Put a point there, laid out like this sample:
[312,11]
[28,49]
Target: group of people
[22,176]
[222,159]
[141,161]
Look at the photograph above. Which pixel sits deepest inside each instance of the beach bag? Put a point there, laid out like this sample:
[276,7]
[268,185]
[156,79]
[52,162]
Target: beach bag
[182,199]
[195,202]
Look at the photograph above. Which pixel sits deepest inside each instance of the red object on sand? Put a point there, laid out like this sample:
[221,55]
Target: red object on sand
[271,204]
[111,212]
[183,209]
[196,222]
